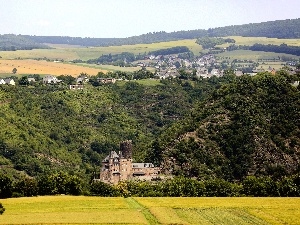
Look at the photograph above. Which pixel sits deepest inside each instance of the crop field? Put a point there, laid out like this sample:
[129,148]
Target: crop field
[253,55]
[264,40]
[99,210]
[71,52]
[44,67]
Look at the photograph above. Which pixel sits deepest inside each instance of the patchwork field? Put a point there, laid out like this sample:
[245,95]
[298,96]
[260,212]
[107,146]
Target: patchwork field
[23,59]
[41,67]
[71,52]
[99,210]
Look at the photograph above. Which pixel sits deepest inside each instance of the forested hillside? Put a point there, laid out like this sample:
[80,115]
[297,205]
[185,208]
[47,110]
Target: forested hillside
[272,29]
[224,127]
[47,128]
[248,127]
[10,42]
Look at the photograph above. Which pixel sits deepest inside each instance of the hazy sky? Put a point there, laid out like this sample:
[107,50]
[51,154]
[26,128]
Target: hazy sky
[124,18]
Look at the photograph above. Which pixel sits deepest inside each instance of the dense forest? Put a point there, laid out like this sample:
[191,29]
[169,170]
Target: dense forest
[10,42]
[217,131]
[211,42]
[283,48]
[115,59]
[223,127]
[170,51]
[272,29]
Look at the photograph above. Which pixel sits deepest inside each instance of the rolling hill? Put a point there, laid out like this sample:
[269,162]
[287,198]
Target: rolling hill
[272,29]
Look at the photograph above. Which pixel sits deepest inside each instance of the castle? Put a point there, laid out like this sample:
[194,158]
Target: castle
[118,167]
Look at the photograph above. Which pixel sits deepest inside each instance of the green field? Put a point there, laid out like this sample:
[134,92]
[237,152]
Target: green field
[100,210]
[253,55]
[72,52]
[239,40]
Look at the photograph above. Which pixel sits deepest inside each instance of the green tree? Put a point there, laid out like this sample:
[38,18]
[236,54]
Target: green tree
[5,186]
[24,81]
[2,209]
[14,71]
[67,79]
[26,187]
[102,189]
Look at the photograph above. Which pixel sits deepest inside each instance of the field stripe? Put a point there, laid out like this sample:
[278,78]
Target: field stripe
[152,220]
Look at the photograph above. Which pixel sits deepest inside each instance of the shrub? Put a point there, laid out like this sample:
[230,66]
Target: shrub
[2,209]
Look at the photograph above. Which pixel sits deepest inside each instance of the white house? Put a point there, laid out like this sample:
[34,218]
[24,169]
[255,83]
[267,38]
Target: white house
[31,80]
[49,79]
[10,81]
[2,81]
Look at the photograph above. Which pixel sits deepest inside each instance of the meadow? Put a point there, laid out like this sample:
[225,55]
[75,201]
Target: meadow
[239,40]
[253,55]
[117,210]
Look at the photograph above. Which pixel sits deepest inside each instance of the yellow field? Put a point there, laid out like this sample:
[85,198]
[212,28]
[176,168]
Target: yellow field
[189,211]
[41,67]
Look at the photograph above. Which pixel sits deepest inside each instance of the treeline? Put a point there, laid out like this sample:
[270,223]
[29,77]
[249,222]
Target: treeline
[272,29]
[211,42]
[169,51]
[136,75]
[62,183]
[283,48]
[121,59]
[10,42]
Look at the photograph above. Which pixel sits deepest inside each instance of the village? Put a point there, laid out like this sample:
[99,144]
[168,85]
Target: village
[173,66]
[205,66]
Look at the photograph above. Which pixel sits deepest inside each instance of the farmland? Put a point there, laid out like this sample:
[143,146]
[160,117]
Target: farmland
[71,52]
[41,67]
[34,61]
[263,40]
[99,210]
[252,55]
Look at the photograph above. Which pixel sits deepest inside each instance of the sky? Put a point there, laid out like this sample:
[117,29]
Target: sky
[125,18]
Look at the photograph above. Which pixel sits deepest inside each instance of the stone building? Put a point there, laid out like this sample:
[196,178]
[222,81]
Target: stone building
[118,167]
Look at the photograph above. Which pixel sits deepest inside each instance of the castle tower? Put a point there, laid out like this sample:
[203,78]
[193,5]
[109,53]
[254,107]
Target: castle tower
[126,149]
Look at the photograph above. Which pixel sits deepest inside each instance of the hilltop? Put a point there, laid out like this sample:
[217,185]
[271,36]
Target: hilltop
[272,29]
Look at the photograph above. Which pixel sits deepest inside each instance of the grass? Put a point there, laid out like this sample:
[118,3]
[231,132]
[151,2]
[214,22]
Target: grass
[252,55]
[99,210]
[264,40]
[70,210]
[225,210]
